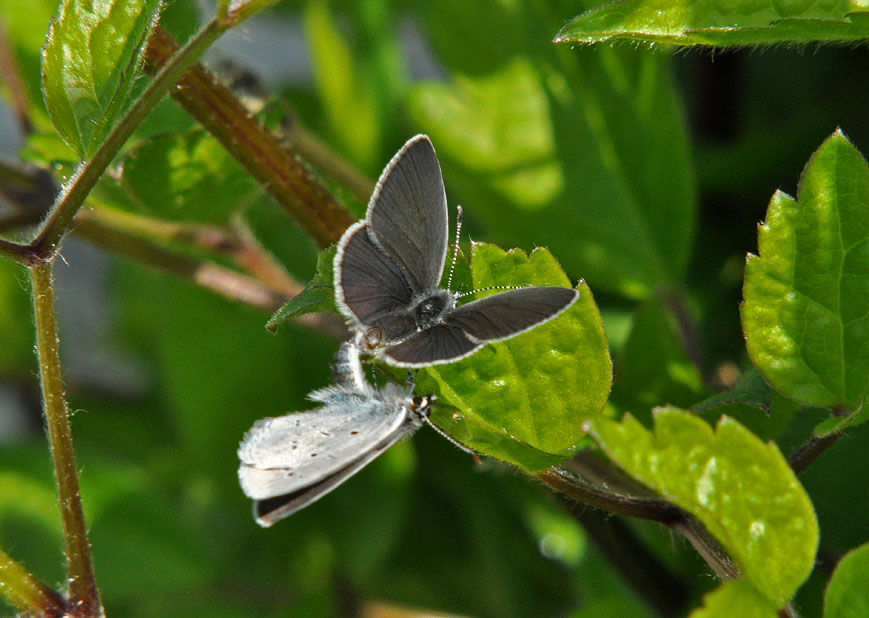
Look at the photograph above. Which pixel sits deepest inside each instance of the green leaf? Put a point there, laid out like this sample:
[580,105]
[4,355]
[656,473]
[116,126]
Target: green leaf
[348,99]
[90,66]
[575,139]
[735,598]
[847,595]
[313,299]
[524,399]
[318,296]
[653,367]
[720,23]
[187,177]
[741,489]
[751,389]
[806,309]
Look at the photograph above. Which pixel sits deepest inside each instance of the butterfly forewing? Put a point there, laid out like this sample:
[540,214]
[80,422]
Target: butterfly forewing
[408,214]
[272,509]
[510,313]
[370,284]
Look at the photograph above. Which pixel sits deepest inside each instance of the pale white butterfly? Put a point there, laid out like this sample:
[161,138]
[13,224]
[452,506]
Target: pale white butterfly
[290,461]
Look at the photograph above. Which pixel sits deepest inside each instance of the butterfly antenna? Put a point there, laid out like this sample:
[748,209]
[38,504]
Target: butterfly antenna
[455,247]
[492,287]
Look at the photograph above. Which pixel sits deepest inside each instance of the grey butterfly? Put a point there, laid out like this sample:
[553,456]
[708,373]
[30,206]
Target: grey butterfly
[388,269]
[290,461]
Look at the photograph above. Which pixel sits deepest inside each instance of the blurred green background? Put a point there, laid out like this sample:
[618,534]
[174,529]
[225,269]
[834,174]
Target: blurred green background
[644,172]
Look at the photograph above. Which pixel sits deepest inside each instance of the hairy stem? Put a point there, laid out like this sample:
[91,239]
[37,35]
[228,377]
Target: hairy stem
[579,484]
[286,179]
[579,488]
[646,574]
[22,590]
[44,246]
[83,594]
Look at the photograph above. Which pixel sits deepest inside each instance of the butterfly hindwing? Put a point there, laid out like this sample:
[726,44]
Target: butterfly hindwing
[439,344]
[283,454]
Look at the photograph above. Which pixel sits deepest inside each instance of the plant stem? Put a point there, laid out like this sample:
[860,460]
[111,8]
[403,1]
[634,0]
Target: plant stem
[228,283]
[817,444]
[44,246]
[811,450]
[239,243]
[16,252]
[22,590]
[217,109]
[647,575]
[84,596]
[578,487]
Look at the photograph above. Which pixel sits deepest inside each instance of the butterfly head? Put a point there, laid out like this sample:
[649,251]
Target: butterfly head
[421,404]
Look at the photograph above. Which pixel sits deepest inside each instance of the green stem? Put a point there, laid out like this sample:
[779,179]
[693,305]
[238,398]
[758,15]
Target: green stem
[22,590]
[44,246]
[83,594]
